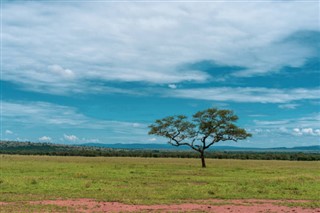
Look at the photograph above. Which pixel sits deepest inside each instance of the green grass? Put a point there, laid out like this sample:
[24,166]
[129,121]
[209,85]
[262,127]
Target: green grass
[25,207]
[154,180]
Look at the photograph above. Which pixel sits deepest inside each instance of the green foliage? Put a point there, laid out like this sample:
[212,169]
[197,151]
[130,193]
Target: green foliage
[207,128]
[154,180]
[211,125]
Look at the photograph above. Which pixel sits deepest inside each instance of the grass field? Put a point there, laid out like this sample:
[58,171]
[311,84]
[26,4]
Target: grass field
[154,180]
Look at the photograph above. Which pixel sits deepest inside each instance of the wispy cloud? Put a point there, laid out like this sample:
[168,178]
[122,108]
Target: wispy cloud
[289,106]
[307,126]
[60,119]
[90,140]
[302,122]
[8,132]
[43,113]
[246,94]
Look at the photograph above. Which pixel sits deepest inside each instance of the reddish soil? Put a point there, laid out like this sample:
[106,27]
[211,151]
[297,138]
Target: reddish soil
[219,206]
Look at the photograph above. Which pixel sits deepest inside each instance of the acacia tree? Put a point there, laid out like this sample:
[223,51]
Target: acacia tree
[206,128]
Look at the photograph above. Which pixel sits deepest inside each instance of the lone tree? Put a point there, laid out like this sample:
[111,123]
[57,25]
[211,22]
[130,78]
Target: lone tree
[206,128]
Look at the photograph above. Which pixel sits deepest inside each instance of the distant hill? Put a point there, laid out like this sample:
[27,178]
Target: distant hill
[213,148]
[310,153]
[13,145]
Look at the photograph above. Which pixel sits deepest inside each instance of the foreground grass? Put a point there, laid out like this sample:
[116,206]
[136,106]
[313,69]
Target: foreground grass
[25,207]
[152,180]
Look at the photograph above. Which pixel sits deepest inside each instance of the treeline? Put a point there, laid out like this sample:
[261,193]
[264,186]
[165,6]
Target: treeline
[29,148]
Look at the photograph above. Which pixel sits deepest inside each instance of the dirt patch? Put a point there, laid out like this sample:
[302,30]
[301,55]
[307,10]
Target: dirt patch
[215,205]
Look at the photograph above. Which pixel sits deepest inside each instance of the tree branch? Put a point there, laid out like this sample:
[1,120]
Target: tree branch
[186,144]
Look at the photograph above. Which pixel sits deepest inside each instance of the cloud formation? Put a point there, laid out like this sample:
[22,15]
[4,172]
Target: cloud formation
[45,139]
[247,94]
[288,106]
[301,126]
[70,137]
[306,131]
[172,86]
[62,46]
[58,118]
[219,52]
[58,70]
[8,132]
[43,113]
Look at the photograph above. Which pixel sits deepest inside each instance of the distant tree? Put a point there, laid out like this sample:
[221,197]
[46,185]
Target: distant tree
[205,129]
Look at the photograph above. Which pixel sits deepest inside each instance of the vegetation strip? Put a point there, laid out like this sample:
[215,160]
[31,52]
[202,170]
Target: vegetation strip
[29,148]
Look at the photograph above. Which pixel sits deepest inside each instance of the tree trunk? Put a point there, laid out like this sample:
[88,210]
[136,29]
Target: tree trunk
[202,160]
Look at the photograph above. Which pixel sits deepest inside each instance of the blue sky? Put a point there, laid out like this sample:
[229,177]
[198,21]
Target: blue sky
[77,71]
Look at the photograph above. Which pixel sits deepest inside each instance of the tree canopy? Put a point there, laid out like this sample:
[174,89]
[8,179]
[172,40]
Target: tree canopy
[206,128]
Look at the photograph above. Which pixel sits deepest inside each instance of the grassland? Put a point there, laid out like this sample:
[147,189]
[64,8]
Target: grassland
[154,180]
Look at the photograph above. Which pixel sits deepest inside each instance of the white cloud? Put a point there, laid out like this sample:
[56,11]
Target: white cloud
[172,86]
[90,140]
[246,94]
[306,131]
[8,132]
[303,126]
[312,121]
[283,129]
[61,46]
[65,73]
[288,106]
[296,131]
[43,113]
[257,115]
[22,139]
[136,125]
[57,118]
[70,137]
[272,123]
[45,139]
[152,139]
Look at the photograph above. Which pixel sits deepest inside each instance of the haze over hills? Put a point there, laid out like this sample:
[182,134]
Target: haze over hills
[166,147]
[315,148]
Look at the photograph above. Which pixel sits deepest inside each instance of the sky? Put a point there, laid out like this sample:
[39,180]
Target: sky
[76,72]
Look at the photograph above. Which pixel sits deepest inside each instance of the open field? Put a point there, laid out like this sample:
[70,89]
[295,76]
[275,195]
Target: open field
[155,180]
